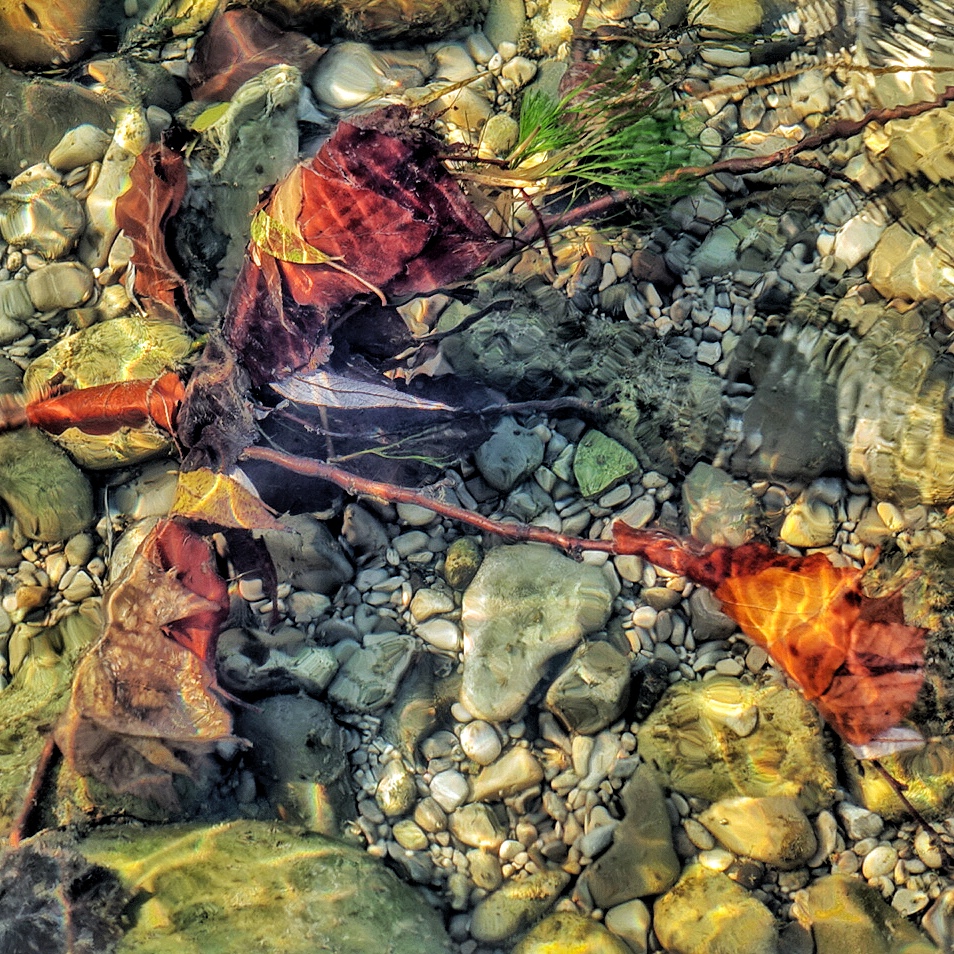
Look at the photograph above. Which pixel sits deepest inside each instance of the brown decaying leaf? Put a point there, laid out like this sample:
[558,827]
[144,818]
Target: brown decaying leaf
[238,45]
[851,654]
[143,707]
[376,201]
[142,212]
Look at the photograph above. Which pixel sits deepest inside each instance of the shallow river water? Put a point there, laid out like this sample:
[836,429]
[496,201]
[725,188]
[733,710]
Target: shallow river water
[309,309]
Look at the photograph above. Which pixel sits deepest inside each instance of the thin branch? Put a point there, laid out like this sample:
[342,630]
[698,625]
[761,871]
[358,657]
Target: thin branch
[392,493]
[41,773]
[898,789]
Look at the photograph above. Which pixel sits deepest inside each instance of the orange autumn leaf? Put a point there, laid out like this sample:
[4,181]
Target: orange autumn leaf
[851,654]
[105,408]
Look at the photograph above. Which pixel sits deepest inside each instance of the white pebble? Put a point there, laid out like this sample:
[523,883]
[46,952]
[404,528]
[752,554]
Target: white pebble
[709,352]
[925,846]
[596,841]
[729,667]
[449,789]
[480,742]
[879,861]
[718,859]
[908,902]
[441,634]
[859,822]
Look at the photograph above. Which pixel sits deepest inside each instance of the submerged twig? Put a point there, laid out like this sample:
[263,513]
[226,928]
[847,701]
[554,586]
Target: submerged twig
[41,772]
[898,789]
[392,493]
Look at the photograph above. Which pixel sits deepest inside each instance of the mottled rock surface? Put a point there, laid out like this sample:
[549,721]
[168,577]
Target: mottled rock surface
[707,911]
[248,885]
[641,861]
[526,604]
[845,914]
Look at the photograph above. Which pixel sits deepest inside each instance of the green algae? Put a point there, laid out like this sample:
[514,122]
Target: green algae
[600,462]
[34,700]
[254,886]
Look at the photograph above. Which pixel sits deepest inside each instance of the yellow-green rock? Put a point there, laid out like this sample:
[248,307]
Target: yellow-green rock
[34,700]
[263,887]
[49,496]
[707,912]
[733,16]
[569,933]
[462,562]
[517,905]
[774,829]
[641,861]
[845,914]
[926,775]
[123,349]
[721,737]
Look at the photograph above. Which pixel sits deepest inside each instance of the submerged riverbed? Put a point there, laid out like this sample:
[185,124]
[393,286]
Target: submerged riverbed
[397,728]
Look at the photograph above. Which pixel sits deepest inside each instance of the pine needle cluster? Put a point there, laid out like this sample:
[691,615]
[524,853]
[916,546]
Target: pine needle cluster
[611,130]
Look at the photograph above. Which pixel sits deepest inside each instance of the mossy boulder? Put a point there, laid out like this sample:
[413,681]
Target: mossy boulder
[255,886]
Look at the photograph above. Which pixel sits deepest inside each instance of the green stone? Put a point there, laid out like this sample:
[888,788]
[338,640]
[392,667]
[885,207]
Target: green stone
[721,738]
[845,914]
[256,886]
[570,933]
[34,700]
[600,462]
[462,562]
[50,497]
[706,911]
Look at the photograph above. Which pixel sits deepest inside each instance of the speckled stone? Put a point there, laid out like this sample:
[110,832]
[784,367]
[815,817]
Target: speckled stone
[641,861]
[707,911]
[845,914]
[526,604]
[592,689]
[774,830]
[513,772]
[509,455]
[396,792]
[476,826]
[516,905]
[567,932]
[462,562]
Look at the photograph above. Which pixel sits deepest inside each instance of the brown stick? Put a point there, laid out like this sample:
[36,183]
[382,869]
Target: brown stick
[898,789]
[21,826]
[392,493]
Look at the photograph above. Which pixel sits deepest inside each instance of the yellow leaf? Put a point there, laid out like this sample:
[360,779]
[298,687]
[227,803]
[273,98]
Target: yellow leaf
[209,117]
[273,237]
[219,499]
[284,243]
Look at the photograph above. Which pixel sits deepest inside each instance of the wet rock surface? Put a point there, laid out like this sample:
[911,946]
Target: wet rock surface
[208,890]
[525,605]
[641,861]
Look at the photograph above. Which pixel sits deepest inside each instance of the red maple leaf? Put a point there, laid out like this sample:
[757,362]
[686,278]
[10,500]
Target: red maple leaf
[851,654]
[387,217]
